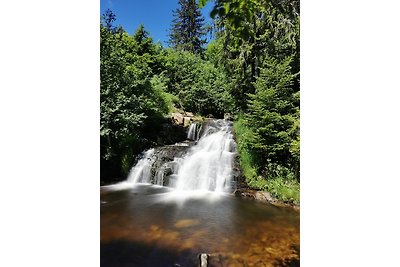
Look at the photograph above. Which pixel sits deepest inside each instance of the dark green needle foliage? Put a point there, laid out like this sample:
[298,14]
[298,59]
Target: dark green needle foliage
[187,29]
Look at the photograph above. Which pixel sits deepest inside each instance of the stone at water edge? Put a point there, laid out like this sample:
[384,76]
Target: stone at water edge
[263,196]
[203,260]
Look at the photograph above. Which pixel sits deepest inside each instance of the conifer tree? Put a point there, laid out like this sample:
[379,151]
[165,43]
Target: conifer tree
[187,29]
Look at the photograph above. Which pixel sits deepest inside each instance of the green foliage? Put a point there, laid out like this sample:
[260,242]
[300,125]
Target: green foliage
[273,116]
[251,69]
[243,135]
[258,48]
[279,187]
[159,83]
[280,182]
[251,31]
[131,95]
[188,29]
[272,113]
[200,86]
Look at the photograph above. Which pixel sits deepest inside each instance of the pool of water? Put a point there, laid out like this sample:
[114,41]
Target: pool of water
[157,226]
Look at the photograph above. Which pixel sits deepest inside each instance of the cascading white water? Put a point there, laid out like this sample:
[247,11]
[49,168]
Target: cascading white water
[208,166]
[159,176]
[192,134]
[141,173]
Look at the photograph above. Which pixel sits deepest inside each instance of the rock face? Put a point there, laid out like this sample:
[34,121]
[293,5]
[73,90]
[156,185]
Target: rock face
[170,133]
[237,174]
[183,119]
[165,163]
[177,118]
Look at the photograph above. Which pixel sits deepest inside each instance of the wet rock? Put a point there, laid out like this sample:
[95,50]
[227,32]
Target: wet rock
[168,171]
[237,174]
[164,159]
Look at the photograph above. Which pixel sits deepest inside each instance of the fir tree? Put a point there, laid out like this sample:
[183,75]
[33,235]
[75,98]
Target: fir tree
[187,29]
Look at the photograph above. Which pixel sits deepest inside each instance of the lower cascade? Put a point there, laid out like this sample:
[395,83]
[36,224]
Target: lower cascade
[203,163]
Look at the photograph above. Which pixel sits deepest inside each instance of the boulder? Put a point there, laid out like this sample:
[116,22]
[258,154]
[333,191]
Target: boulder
[189,114]
[186,121]
[178,118]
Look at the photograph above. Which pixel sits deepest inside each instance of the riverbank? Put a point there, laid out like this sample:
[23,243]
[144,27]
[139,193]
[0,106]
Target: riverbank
[263,197]
[276,184]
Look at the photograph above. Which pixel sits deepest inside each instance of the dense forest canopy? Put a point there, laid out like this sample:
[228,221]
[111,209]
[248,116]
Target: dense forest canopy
[250,70]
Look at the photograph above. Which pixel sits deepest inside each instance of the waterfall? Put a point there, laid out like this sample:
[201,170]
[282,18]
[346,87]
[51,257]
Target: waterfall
[192,132]
[141,172]
[159,176]
[203,166]
[208,166]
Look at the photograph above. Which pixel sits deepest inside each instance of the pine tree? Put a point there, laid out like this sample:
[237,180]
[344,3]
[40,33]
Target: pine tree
[143,41]
[187,29]
[274,116]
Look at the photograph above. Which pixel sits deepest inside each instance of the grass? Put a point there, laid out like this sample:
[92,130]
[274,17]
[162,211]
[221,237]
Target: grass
[282,187]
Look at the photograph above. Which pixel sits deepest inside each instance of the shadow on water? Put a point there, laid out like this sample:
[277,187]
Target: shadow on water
[124,253]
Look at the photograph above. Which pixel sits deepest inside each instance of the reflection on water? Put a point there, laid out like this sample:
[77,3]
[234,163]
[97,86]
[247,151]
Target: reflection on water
[150,226]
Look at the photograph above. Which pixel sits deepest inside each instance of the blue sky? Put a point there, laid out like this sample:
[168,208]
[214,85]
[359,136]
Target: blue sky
[155,15]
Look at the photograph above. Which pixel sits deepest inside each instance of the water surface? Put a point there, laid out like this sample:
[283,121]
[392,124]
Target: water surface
[157,226]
